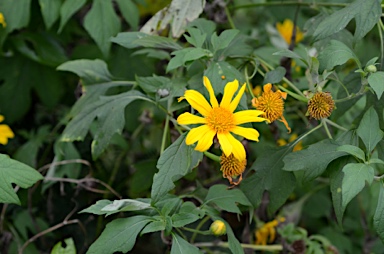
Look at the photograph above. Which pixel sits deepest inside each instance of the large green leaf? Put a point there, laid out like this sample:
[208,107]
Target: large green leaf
[178,14]
[181,57]
[138,39]
[378,219]
[365,12]
[180,246]
[269,177]
[175,162]
[12,171]
[130,12]
[101,22]
[50,10]
[355,176]
[225,198]
[69,248]
[336,53]
[224,39]
[274,76]
[90,71]
[69,8]
[375,80]
[16,13]
[313,160]
[119,235]
[369,130]
[108,113]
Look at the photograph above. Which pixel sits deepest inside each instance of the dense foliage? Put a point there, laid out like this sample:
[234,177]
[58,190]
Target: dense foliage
[191,126]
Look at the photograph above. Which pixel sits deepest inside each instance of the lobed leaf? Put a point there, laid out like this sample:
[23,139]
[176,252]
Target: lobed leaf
[369,130]
[375,81]
[336,53]
[180,246]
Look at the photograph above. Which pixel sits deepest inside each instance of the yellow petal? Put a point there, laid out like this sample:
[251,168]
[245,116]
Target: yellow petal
[198,102]
[3,140]
[267,87]
[1,118]
[196,133]
[237,99]
[188,118]
[229,91]
[247,133]
[5,131]
[206,141]
[212,96]
[229,145]
[248,116]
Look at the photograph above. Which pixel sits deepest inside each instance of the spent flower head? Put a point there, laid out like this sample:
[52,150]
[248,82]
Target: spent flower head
[5,132]
[232,167]
[219,120]
[272,104]
[321,105]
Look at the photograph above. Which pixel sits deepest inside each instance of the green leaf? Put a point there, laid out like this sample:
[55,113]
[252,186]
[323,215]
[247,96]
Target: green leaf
[96,208]
[355,175]
[109,111]
[288,53]
[269,177]
[225,198]
[138,39]
[224,39]
[378,218]
[153,226]
[69,8]
[130,12]
[50,9]
[352,150]
[16,14]
[366,13]
[234,244]
[101,22]
[196,38]
[375,161]
[369,130]
[336,53]
[181,57]
[274,76]
[90,71]
[180,246]
[313,160]
[175,162]
[182,219]
[69,248]
[119,235]
[375,80]
[124,205]
[12,171]
[178,14]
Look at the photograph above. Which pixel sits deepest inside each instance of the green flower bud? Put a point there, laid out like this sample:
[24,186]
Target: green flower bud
[371,68]
[218,228]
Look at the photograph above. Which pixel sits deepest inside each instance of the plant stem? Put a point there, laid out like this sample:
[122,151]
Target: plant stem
[229,17]
[326,129]
[202,222]
[276,247]
[206,232]
[164,139]
[304,135]
[335,124]
[288,3]
[296,96]
[212,156]
[380,27]
[247,81]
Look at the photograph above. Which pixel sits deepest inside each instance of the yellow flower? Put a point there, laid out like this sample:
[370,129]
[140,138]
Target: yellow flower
[272,104]
[286,29]
[232,167]
[257,90]
[219,119]
[218,228]
[321,105]
[267,232]
[2,20]
[293,137]
[5,132]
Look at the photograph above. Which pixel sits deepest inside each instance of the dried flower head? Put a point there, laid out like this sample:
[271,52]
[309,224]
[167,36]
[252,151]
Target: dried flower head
[232,167]
[272,104]
[321,105]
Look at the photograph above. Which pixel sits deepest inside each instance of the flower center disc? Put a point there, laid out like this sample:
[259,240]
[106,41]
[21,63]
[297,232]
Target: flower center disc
[220,120]
[272,105]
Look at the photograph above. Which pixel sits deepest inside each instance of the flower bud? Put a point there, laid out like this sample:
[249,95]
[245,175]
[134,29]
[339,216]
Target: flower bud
[218,228]
[371,68]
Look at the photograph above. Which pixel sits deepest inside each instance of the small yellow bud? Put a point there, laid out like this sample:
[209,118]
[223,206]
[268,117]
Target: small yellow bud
[218,228]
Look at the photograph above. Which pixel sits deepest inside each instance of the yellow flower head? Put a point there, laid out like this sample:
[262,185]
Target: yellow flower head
[232,167]
[218,228]
[267,232]
[286,29]
[2,20]
[272,104]
[5,132]
[321,105]
[219,119]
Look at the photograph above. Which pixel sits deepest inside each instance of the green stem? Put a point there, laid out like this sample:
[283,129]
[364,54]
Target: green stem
[288,3]
[326,128]
[247,81]
[164,139]
[212,156]
[206,232]
[230,21]
[292,94]
[305,135]
[335,124]
[202,222]
[115,169]
[380,26]
[276,247]
[342,85]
